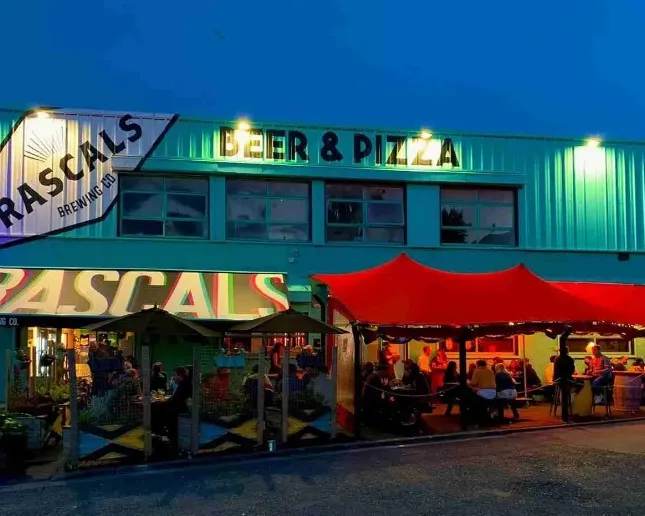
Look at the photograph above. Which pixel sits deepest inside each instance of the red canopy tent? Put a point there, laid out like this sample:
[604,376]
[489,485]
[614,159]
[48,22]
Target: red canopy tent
[627,299]
[404,293]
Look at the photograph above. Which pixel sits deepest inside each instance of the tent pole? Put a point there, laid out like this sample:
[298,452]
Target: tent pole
[564,382]
[526,389]
[463,381]
[358,383]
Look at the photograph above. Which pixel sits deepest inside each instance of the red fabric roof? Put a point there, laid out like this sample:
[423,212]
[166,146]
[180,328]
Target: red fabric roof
[404,292]
[629,300]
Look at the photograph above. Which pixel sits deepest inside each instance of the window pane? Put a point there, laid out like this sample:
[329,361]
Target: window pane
[391,235]
[289,211]
[496,216]
[503,346]
[608,345]
[131,182]
[134,227]
[384,193]
[458,195]
[188,184]
[246,208]
[501,196]
[142,205]
[292,232]
[186,228]
[457,215]
[345,212]
[246,231]
[186,206]
[478,236]
[284,189]
[344,191]
[344,234]
[239,187]
[385,212]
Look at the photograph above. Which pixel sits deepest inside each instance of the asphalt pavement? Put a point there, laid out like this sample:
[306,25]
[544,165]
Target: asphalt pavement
[597,470]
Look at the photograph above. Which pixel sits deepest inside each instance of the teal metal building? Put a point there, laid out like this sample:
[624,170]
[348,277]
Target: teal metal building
[93,192]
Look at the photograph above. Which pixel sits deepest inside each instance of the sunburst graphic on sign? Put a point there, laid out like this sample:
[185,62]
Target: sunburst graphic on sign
[44,137]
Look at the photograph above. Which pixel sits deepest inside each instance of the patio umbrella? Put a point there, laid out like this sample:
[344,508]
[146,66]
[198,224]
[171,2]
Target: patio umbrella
[286,322]
[153,320]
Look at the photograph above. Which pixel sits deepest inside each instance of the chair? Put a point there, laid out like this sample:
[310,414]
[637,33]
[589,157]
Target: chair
[607,400]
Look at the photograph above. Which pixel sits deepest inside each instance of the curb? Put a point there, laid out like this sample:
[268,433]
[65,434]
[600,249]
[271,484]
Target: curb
[210,461]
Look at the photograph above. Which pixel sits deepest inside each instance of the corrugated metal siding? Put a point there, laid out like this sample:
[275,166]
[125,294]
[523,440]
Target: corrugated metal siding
[564,205]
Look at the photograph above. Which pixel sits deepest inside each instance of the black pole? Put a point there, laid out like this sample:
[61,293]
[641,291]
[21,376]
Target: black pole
[463,381]
[564,382]
[358,380]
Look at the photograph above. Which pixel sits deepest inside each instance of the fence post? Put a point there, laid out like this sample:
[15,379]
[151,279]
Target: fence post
[194,414]
[73,440]
[7,380]
[261,373]
[147,412]
[286,355]
[33,356]
[334,389]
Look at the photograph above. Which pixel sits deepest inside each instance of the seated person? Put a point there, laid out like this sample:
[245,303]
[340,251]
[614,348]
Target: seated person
[506,391]
[638,366]
[532,379]
[374,392]
[483,381]
[159,379]
[388,356]
[165,414]
[250,387]
[601,371]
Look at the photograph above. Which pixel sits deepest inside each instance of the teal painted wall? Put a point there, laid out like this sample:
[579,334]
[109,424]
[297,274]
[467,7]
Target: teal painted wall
[7,340]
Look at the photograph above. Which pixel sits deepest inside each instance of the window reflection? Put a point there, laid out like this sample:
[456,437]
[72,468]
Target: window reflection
[161,206]
[365,213]
[483,216]
[275,210]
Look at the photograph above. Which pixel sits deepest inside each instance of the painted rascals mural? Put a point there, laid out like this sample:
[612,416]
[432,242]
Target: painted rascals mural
[197,295]
[56,167]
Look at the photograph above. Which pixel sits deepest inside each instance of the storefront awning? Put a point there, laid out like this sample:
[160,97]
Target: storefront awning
[403,292]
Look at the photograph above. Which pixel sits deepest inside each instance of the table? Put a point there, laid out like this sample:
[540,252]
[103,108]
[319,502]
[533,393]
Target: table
[583,401]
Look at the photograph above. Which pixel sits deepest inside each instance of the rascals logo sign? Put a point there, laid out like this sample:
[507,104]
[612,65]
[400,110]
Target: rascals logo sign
[56,167]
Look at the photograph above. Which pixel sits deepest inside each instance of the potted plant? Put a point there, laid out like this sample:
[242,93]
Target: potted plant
[13,437]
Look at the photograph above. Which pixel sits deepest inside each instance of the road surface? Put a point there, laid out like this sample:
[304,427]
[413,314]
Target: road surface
[578,471]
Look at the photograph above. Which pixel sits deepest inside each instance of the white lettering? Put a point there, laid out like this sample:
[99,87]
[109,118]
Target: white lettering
[41,296]
[13,278]
[189,296]
[83,285]
[127,285]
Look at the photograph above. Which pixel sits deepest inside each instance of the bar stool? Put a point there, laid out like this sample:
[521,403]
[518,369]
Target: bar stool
[557,399]
[606,402]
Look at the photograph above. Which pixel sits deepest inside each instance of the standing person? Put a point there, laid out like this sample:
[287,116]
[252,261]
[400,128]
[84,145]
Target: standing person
[441,360]
[388,357]
[424,359]
[549,371]
[564,367]
[276,356]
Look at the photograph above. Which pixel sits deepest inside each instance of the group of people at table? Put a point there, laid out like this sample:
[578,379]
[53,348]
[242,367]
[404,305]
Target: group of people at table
[491,389]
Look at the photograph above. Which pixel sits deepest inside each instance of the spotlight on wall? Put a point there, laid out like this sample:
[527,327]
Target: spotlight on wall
[426,135]
[42,114]
[593,142]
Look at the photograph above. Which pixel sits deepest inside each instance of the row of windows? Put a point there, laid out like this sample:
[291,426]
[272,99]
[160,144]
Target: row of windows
[281,211]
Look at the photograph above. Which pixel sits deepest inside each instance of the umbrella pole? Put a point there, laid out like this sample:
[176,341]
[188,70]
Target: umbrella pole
[260,396]
[285,390]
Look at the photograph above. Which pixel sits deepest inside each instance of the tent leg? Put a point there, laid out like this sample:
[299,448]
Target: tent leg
[196,401]
[285,391]
[358,383]
[463,383]
[260,396]
[564,382]
[147,408]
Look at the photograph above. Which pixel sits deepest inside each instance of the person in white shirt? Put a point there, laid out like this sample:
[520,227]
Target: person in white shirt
[424,359]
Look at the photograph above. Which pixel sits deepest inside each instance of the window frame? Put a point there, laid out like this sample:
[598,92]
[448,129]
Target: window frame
[477,204]
[365,225]
[268,198]
[453,353]
[599,340]
[164,192]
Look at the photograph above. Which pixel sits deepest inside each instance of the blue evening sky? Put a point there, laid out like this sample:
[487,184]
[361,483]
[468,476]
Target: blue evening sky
[560,67]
